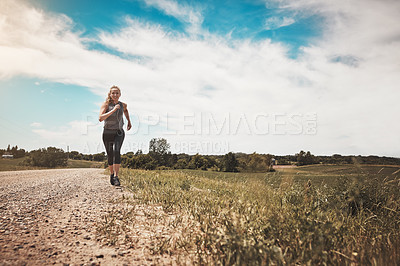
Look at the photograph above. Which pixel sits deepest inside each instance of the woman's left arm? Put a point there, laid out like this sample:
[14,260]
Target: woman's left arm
[127,115]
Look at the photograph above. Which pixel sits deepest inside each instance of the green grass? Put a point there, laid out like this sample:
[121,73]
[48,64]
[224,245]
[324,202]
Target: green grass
[84,164]
[17,164]
[14,165]
[306,215]
[348,169]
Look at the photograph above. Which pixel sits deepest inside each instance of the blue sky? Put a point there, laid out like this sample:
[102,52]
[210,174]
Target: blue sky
[209,76]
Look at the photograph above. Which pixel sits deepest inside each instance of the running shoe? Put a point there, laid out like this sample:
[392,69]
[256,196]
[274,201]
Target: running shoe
[116,181]
[112,179]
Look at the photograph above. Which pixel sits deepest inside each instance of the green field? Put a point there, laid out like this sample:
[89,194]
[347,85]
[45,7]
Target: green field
[84,164]
[17,164]
[305,215]
[14,164]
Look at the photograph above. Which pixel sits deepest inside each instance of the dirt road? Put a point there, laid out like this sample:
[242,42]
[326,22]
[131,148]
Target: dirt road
[50,217]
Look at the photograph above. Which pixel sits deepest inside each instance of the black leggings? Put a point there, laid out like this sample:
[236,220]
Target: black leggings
[113,140]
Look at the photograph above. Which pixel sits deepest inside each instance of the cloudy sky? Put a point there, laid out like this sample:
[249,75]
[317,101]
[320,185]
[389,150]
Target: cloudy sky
[266,76]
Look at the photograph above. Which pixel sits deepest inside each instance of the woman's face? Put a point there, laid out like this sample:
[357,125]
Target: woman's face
[115,94]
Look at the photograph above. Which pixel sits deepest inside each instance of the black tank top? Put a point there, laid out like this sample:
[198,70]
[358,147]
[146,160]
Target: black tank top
[114,121]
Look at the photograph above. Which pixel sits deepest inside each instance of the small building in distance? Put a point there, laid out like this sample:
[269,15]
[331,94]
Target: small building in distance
[7,156]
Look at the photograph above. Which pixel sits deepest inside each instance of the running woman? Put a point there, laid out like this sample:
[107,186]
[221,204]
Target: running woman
[114,134]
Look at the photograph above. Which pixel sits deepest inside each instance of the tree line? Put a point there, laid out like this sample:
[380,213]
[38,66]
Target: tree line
[160,157]
[306,158]
[50,156]
[14,151]
[98,157]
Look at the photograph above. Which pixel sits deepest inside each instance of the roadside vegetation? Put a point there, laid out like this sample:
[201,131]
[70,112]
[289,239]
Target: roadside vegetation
[237,209]
[19,164]
[304,215]
[50,157]
[15,165]
[159,157]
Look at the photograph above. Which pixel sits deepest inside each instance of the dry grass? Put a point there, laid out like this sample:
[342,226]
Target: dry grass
[297,216]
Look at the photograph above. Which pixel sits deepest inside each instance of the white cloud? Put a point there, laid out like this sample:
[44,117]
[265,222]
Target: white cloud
[68,132]
[79,135]
[36,124]
[180,11]
[274,23]
[356,61]
[243,76]
[349,78]
[352,27]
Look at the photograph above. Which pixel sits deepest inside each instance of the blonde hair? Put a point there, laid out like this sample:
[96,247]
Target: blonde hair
[109,99]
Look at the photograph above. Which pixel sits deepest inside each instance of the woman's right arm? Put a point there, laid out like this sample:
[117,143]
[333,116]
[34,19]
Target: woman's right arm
[103,115]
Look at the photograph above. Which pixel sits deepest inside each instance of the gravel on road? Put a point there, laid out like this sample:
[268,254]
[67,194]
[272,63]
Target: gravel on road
[50,217]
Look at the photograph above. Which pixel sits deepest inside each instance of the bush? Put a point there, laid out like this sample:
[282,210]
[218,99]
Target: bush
[141,161]
[50,157]
[256,163]
[230,163]
[99,157]
[181,164]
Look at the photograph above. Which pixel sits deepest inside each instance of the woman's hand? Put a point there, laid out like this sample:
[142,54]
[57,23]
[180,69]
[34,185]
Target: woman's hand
[117,107]
[129,125]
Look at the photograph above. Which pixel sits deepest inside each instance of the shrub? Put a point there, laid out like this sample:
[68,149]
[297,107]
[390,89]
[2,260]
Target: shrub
[47,157]
[230,163]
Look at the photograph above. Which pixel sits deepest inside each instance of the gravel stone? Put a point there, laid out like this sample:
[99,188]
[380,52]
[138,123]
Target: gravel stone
[50,217]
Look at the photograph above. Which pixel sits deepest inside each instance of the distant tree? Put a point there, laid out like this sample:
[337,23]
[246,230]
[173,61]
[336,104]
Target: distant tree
[87,157]
[141,161]
[99,157]
[211,162]
[158,150]
[256,162]
[19,153]
[300,158]
[198,162]
[309,158]
[159,146]
[304,158]
[15,151]
[74,155]
[181,164]
[173,160]
[49,157]
[169,159]
[230,162]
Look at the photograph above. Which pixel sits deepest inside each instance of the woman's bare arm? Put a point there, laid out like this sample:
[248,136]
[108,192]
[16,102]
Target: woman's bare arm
[103,115]
[126,112]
